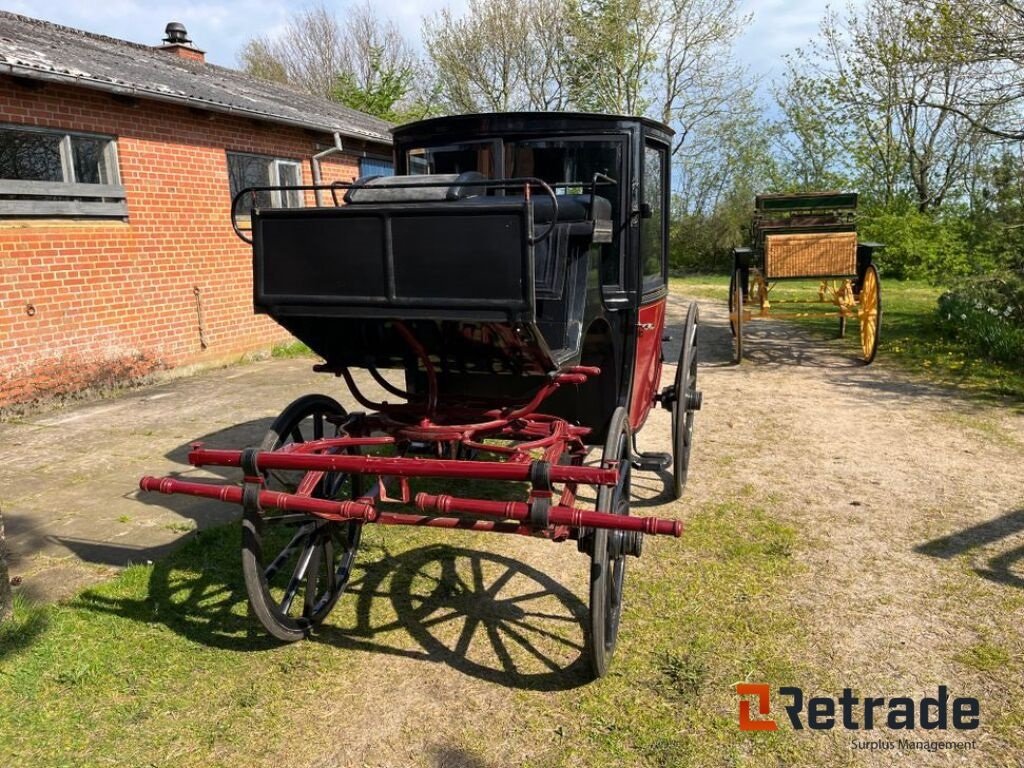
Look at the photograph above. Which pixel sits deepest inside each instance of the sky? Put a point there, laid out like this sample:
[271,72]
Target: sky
[221,27]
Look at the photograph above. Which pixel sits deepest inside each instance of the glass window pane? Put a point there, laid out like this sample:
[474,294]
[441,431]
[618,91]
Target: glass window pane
[372,166]
[288,175]
[30,156]
[560,162]
[249,171]
[90,160]
[652,230]
[453,159]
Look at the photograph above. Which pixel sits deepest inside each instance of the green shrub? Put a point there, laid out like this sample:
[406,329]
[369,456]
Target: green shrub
[922,246]
[988,314]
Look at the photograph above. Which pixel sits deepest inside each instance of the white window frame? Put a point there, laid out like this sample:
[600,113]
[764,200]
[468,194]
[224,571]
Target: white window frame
[275,164]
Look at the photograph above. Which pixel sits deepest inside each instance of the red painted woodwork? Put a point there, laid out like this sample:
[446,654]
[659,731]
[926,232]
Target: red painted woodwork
[647,369]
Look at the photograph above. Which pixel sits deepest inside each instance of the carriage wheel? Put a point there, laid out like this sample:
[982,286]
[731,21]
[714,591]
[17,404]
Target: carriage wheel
[869,313]
[607,557]
[297,565]
[736,317]
[686,402]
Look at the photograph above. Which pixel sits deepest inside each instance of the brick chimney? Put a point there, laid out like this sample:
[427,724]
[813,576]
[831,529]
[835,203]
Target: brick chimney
[177,43]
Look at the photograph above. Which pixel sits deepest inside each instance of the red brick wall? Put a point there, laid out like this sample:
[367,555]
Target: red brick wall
[87,301]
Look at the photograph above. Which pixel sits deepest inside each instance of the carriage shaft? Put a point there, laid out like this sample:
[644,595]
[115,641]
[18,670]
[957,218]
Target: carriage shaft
[403,467]
[557,515]
[330,510]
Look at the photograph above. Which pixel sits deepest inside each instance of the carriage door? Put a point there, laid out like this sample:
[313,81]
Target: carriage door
[653,244]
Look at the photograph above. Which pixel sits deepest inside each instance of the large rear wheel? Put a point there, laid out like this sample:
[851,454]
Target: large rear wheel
[869,313]
[296,565]
[736,316]
[608,550]
[686,402]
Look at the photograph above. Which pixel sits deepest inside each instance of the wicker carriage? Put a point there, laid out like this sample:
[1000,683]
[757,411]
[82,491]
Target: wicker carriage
[800,237]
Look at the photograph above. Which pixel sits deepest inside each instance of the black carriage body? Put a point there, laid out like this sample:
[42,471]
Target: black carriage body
[497,301]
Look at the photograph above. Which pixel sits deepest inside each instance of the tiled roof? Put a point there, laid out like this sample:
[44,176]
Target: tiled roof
[40,50]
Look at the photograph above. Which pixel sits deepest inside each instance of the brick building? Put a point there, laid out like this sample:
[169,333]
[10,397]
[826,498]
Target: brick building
[117,167]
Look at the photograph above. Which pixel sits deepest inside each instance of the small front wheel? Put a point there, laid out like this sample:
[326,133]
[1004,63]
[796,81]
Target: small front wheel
[296,565]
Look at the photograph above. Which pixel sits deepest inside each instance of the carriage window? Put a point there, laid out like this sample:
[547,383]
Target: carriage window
[456,158]
[246,170]
[652,229]
[569,167]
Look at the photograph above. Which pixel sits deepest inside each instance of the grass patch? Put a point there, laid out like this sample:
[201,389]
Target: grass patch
[912,336]
[703,614]
[291,349]
[163,666]
[984,657]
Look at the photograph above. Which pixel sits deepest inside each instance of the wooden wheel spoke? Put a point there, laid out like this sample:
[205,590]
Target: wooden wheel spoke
[271,570]
[298,576]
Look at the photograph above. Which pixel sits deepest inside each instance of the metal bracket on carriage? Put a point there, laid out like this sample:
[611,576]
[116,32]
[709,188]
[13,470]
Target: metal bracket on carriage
[404,495]
[540,495]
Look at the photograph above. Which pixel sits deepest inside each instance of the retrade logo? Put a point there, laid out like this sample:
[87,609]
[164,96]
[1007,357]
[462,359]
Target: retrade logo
[853,713]
[761,692]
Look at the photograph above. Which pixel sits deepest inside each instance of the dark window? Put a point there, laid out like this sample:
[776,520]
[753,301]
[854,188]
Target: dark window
[457,158]
[45,172]
[569,166]
[652,227]
[245,170]
[375,166]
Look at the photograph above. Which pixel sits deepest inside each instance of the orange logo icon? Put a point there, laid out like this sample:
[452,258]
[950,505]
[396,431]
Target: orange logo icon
[761,692]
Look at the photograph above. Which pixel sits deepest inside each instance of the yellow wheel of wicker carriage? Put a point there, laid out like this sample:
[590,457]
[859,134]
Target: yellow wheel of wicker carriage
[869,313]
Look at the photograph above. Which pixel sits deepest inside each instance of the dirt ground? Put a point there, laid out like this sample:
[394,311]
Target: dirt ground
[909,501]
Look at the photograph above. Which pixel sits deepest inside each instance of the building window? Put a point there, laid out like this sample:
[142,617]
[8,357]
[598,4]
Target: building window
[55,173]
[376,166]
[246,170]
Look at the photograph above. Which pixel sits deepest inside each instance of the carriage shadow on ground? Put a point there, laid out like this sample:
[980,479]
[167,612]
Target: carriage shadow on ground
[1006,567]
[484,614]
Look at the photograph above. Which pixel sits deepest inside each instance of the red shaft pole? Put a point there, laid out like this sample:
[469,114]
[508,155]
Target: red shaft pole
[429,521]
[330,510]
[403,467]
[557,515]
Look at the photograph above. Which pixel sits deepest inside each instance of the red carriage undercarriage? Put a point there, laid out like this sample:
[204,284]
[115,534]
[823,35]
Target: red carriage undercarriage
[513,375]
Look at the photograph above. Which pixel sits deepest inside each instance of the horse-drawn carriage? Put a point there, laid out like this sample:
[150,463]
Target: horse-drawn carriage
[807,236]
[513,273]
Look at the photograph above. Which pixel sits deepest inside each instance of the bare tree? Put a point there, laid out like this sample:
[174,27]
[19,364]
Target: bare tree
[310,52]
[894,110]
[501,55]
[985,39]
[364,58]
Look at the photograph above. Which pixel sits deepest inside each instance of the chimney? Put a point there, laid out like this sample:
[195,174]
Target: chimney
[177,43]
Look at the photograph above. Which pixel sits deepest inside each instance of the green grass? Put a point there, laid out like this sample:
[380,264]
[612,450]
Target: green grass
[703,614]
[984,657]
[911,339]
[291,349]
[163,666]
